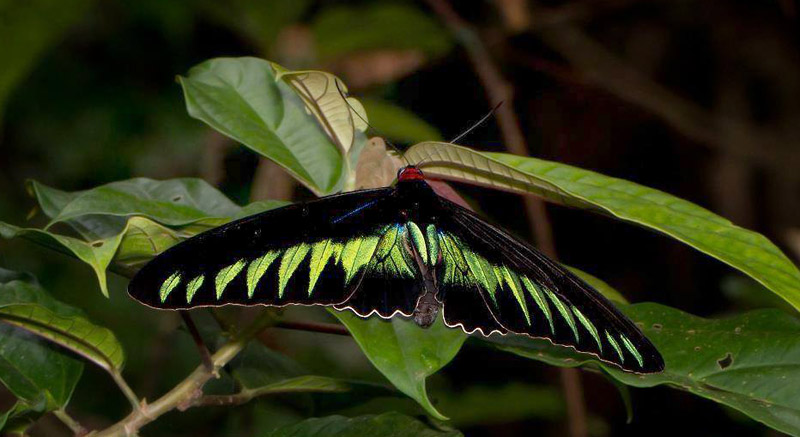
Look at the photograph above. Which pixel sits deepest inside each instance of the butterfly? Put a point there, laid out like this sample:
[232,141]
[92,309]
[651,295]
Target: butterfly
[396,251]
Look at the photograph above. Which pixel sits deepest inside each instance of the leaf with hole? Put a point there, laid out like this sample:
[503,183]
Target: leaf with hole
[750,362]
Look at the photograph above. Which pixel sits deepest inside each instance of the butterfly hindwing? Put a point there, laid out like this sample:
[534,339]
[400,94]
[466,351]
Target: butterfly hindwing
[524,292]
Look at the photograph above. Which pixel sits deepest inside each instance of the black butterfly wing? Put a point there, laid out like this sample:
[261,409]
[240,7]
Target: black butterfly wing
[316,253]
[525,292]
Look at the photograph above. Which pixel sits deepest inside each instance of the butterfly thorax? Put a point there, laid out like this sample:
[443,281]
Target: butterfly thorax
[413,193]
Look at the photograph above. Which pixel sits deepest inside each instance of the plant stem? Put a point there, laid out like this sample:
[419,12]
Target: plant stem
[205,355]
[76,428]
[184,394]
[497,90]
[126,389]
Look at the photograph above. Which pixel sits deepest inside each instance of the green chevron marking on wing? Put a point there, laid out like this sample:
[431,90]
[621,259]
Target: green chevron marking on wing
[399,262]
[456,269]
[565,313]
[615,345]
[169,285]
[490,277]
[257,268]
[510,279]
[537,296]
[589,326]
[226,275]
[356,254]
[193,286]
[337,252]
[475,261]
[290,260]
[321,253]
[387,242]
[418,240]
[433,244]
[632,349]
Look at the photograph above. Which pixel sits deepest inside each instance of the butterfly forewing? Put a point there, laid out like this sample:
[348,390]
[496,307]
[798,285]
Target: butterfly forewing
[313,253]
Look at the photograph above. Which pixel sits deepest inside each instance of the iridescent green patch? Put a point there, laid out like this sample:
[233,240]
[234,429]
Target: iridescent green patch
[356,253]
[257,268]
[615,345]
[455,265]
[169,285]
[226,275]
[511,280]
[632,349]
[418,240]
[490,277]
[565,313]
[321,253]
[193,286]
[474,263]
[433,244]
[387,242]
[399,261]
[538,297]
[290,260]
[588,325]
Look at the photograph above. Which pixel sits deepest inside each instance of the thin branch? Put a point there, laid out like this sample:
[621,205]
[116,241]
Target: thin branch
[498,89]
[77,429]
[205,355]
[184,394]
[325,328]
[248,394]
[603,69]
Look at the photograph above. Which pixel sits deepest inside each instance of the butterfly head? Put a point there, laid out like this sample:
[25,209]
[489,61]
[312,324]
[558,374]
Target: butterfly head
[410,173]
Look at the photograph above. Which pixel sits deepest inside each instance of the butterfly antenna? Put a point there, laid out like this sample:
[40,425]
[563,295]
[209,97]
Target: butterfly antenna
[478,123]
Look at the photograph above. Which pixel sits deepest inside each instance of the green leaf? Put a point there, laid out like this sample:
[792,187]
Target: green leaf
[750,362]
[108,217]
[27,30]
[405,353]
[98,254]
[340,30]
[325,96]
[514,402]
[25,305]
[598,284]
[385,425]
[40,376]
[19,417]
[143,239]
[173,202]
[397,123]
[259,207]
[241,98]
[745,250]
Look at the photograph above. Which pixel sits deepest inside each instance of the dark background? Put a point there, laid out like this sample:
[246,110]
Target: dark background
[700,99]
